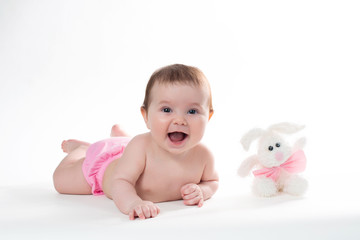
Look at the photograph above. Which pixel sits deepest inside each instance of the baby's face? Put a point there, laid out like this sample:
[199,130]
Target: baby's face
[177,116]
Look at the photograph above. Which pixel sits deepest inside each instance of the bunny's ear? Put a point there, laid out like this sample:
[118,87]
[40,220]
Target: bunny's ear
[249,137]
[299,144]
[286,127]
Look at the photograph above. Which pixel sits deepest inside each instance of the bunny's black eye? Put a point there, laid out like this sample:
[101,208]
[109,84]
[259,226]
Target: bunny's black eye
[277,144]
[271,148]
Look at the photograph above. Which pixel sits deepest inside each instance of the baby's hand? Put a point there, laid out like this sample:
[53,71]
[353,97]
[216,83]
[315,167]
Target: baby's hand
[192,194]
[143,210]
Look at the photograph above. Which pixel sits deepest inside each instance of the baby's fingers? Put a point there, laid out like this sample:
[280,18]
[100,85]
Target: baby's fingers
[187,189]
[194,201]
[201,202]
[144,211]
[132,215]
[150,210]
[155,210]
[191,195]
[139,212]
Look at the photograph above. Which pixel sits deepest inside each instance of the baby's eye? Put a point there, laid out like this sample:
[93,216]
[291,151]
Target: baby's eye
[166,110]
[192,111]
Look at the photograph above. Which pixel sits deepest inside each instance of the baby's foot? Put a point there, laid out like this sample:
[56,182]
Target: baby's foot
[71,144]
[117,131]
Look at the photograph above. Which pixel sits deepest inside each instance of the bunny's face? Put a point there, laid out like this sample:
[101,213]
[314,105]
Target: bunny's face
[273,150]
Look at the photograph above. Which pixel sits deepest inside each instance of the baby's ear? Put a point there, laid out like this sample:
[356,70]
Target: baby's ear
[211,114]
[144,114]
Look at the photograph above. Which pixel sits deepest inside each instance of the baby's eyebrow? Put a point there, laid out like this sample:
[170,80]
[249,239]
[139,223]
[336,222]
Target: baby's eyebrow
[195,105]
[190,105]
[164,102]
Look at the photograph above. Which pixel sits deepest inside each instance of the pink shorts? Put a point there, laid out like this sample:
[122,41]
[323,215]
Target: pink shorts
[98,156]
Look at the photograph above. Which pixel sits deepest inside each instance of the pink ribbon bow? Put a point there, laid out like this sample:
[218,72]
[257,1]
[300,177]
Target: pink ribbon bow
[295,164]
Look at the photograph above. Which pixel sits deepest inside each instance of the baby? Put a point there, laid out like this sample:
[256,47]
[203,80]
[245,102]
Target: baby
[165,164]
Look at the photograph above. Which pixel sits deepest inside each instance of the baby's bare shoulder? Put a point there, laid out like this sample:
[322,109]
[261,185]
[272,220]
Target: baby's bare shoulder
[204,153]
[140,140]
[136,148]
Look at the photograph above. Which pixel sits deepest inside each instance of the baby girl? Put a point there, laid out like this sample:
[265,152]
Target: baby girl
[165,164]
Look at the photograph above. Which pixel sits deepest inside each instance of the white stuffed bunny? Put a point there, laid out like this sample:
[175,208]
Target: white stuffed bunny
[278,162]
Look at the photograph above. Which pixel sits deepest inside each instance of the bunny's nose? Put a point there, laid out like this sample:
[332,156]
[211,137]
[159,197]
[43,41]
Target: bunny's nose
[279,156]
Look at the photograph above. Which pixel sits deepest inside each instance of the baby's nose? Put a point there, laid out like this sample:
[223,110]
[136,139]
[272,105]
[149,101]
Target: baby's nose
[179,120]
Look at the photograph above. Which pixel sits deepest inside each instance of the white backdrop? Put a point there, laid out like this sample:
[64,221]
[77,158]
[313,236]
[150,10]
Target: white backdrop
[71,69]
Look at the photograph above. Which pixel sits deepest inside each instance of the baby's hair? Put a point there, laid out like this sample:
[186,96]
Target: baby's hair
[177,74]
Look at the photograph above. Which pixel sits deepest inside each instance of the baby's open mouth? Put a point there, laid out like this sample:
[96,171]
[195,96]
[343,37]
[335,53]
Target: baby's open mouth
[177,136]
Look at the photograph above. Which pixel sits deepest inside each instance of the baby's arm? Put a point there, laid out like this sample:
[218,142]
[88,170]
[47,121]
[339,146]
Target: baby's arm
[196,194]
[126,173]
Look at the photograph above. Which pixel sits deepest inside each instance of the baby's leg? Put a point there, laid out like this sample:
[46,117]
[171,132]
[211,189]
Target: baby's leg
[71,144]
[68,176]
[117,131]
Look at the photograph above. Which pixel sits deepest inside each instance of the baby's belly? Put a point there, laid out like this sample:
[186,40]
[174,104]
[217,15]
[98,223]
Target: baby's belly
[157,186]
[160,190]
